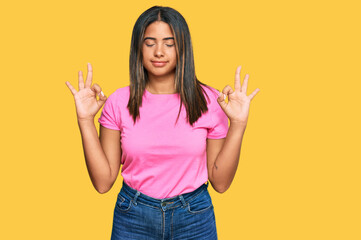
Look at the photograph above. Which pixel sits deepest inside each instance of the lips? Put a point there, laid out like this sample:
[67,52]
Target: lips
[159,63]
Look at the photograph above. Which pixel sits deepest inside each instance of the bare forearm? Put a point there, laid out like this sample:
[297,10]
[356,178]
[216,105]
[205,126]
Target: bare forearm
[226,163]
[96,161]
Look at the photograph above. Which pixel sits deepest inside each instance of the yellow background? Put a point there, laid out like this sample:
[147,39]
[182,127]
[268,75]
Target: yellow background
[299,170]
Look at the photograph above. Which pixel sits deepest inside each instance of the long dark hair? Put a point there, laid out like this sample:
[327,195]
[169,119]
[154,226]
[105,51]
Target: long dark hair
[186,82]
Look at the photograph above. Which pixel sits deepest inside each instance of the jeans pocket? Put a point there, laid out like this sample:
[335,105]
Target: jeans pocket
[200,204]
[124,203]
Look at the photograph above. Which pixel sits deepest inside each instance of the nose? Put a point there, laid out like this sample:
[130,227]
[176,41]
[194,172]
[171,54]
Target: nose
[159,51]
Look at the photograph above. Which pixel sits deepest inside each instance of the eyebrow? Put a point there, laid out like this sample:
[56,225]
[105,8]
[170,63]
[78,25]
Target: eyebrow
[155,39]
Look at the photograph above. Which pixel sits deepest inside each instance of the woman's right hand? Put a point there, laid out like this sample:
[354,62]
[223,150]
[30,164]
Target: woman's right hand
[86,102]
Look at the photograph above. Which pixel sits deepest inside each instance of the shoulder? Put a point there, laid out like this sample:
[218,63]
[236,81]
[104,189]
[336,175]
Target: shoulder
[119,94]
[212,94]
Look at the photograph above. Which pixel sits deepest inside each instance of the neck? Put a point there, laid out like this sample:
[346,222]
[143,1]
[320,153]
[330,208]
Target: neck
[161,85]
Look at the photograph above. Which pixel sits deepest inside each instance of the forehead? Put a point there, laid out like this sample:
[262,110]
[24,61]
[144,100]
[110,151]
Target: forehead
[158,29]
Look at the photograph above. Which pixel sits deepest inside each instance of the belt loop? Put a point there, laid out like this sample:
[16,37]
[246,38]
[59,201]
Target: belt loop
[135,198]
[182,200]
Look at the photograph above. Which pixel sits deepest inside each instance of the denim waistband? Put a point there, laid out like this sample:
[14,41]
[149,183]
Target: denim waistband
[164,203]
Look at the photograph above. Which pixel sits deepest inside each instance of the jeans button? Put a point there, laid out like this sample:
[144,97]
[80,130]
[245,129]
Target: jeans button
[163,204]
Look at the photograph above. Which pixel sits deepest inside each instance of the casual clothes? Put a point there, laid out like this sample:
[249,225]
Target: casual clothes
[160,158]
[189,216]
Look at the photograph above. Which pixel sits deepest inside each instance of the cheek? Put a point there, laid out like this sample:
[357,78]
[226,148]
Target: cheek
[173,55]
[145,52]
[146,59]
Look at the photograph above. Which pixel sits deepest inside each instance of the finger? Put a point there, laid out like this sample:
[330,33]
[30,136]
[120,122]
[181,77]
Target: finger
[72,89]
[227,90]
[223,95]
[102,98]
[245,84]
[96,88]
[251,96]
[89,76]
[237,81]
[221,100]
[98,91]
[81,80]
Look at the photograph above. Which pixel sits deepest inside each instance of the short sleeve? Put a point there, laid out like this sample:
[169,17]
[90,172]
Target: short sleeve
[110,116]
[219,122]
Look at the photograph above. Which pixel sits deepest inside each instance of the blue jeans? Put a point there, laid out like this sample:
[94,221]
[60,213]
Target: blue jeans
[184,217]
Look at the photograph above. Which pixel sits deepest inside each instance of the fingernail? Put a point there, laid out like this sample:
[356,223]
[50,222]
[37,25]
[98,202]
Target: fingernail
[224,95]
[102,93]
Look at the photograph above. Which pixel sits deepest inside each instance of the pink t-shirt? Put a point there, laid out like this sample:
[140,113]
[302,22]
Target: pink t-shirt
[159,158]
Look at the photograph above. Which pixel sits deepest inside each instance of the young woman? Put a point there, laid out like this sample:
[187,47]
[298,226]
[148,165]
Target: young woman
[169,132]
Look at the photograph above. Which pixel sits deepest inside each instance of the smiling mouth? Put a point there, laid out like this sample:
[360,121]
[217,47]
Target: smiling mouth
[159,63]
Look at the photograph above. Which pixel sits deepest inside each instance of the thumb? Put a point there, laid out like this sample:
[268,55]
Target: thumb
[221,100]
[102,98]
[98,91]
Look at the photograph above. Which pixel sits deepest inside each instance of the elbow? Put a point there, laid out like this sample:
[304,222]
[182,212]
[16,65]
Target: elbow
[222,189]
[219,188]
[103,188]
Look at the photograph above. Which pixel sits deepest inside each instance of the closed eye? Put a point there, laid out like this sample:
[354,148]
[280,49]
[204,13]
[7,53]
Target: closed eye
[149,45]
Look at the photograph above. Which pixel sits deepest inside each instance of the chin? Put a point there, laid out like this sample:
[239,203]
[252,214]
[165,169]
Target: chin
[159,73]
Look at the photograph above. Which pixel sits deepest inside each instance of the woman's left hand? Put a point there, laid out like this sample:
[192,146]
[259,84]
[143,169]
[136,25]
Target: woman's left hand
[237,108]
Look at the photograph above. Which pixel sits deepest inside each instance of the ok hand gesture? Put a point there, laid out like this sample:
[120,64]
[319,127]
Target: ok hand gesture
[237,108]
[86,102]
